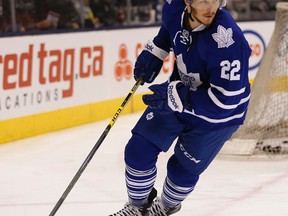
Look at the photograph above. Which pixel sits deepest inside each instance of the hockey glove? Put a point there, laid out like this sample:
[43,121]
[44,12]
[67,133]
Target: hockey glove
[148,66]
[167,97]
[150,61]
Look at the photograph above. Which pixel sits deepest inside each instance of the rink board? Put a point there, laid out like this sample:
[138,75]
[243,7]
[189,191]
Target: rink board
[50,82]
[18,128]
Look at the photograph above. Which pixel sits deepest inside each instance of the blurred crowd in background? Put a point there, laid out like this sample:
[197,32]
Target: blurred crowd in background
[38,15]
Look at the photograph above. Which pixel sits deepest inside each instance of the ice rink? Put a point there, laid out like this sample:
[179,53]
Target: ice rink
[36,171]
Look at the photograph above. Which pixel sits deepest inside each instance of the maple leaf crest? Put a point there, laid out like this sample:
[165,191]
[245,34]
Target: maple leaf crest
[223,37]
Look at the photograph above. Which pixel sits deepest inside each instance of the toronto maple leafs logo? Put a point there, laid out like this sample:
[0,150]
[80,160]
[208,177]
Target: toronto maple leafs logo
[149,116]
[223,37]
[189,79]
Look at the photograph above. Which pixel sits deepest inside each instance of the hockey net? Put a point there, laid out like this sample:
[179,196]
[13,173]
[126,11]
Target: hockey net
[264,133]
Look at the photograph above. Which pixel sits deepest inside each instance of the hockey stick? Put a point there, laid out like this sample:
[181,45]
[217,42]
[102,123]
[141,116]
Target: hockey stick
[95,148]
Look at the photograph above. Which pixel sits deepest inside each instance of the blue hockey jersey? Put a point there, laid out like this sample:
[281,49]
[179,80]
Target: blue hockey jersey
[213,61]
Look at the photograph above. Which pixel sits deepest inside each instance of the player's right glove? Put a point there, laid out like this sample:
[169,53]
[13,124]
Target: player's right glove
[149,62]
[148,66]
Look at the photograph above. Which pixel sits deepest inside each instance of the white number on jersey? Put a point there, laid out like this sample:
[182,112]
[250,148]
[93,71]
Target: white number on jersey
[229,70]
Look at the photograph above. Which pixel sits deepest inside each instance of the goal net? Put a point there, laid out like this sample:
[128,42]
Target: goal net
[265,130]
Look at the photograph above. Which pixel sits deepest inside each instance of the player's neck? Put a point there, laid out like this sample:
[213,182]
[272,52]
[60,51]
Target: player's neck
[194,22]
[191,22]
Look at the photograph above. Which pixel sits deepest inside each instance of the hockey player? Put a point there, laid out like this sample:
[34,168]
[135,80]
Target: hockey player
[200,106]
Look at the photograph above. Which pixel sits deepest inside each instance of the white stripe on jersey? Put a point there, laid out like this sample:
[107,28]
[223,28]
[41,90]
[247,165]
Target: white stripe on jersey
[223,106]
[215,120]
[228,93]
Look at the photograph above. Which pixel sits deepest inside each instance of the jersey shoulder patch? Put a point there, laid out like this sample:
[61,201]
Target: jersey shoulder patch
[223,37]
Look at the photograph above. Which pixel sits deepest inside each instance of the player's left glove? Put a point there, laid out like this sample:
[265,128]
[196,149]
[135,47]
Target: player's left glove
[167,97]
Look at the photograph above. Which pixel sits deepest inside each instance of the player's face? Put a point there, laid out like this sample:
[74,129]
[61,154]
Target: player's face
[205,10]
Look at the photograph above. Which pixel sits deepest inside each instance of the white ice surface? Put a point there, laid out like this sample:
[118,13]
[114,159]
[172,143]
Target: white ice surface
[36,171]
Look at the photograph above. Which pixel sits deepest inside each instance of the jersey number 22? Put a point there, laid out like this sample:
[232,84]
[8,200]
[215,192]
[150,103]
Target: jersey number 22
[230,70]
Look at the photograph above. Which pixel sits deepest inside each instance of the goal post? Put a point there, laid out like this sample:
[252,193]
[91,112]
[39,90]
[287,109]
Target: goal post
[265,130]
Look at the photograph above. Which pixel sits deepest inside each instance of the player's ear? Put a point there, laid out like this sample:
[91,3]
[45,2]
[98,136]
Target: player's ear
[188,2]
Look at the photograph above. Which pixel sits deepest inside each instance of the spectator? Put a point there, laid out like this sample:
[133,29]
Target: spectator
[230,7]
[85,12]
[104,12]
[263,6]
[121,16]
[23,16]
[158,4]
[55,14]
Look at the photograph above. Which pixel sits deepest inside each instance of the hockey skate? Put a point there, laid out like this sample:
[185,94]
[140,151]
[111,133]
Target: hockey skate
[131,210]
[157,209]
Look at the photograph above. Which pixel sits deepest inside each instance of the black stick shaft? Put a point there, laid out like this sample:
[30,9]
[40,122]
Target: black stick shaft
[94,149]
